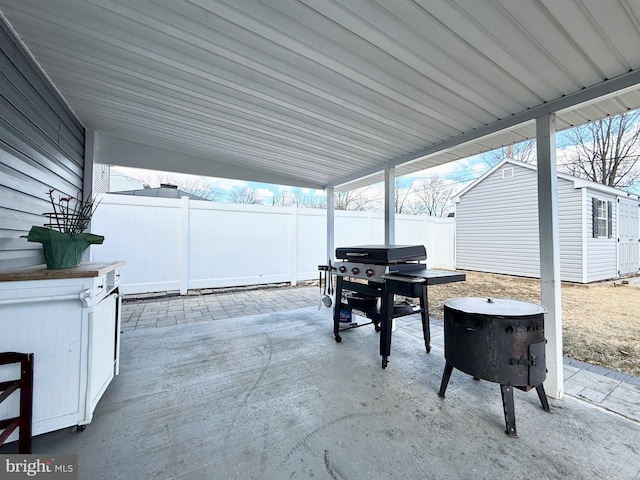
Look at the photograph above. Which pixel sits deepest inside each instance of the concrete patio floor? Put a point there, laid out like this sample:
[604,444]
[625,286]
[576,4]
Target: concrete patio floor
[273,396]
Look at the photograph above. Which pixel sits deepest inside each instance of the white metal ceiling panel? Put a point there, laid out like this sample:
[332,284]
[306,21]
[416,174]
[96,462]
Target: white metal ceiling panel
[319,93]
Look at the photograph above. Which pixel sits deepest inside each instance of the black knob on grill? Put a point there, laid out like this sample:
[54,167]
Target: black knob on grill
[369,272]
[355,270]
[342,269]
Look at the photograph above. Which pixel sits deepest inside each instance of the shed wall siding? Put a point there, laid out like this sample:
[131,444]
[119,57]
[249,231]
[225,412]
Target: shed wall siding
[602,263]
[497,226]
[570,231]
[41,147]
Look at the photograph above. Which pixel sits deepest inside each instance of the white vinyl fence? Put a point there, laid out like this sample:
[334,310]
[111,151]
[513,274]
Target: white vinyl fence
[182,244]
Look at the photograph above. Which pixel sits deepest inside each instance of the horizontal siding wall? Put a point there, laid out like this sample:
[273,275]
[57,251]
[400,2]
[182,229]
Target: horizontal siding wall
[570,228]
[41,147]
[497,226]
[602,261]
[180,244]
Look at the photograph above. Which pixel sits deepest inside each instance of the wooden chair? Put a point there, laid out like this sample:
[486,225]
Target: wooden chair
[25,384]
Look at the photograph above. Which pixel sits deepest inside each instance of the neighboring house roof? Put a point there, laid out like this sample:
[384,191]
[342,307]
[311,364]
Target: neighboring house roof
[164,191]
[577,182]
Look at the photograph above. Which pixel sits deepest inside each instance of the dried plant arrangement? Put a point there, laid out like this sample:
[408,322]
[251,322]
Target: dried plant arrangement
[64,239]
[70,215]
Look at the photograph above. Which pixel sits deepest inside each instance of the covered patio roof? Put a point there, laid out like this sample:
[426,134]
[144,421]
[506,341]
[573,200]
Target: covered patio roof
[327,94]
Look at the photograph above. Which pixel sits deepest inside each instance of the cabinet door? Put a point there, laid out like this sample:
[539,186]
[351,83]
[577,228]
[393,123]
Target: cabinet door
[102,350]
[52,331]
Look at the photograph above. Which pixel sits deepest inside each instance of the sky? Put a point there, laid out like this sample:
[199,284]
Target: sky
[458,174]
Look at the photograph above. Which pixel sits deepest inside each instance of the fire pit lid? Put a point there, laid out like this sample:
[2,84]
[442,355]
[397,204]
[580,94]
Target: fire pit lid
[494,306]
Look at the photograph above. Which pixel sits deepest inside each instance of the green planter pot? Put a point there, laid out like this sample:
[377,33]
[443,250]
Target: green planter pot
[62,250]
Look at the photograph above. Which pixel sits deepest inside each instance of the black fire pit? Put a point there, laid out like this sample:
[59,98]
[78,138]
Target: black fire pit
[498,340]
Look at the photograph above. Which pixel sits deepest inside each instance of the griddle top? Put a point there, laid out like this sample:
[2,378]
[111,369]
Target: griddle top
[382,254]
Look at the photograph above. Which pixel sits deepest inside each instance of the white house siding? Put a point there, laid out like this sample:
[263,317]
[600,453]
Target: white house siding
[601,251]
[497,226]
[41,147]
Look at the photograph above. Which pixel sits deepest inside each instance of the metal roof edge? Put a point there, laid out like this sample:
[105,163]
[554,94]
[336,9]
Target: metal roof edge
[585,95]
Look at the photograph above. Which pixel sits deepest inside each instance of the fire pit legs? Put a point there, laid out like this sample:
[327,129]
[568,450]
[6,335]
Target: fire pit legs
[543,398]
[506,391]
[509,410]
[448,368]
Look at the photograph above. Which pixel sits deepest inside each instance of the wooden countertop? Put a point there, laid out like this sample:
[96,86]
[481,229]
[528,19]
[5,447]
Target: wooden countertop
[41,272]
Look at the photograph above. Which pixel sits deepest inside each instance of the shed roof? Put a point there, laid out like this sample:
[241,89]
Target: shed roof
[316,93]
[577,182]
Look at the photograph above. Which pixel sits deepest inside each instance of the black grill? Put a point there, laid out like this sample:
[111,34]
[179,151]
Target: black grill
[377,273]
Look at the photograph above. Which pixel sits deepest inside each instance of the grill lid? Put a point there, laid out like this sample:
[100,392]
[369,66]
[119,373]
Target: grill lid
[382,254]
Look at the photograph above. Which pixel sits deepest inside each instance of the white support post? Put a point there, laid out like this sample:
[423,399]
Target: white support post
[331,216]
[389,206]
[88,172]
[89,163]
[184,245]
[293,247]
[550,282]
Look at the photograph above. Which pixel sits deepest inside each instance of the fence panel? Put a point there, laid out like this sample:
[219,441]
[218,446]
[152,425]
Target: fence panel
[145,233]
[181,244]
[238,246]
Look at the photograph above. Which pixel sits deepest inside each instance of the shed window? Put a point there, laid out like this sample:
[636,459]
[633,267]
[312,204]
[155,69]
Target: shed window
[602,226]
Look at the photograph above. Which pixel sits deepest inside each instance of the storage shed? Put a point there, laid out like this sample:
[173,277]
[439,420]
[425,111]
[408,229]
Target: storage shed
[497,226]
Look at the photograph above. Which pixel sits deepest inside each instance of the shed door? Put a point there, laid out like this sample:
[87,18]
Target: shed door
[628,232]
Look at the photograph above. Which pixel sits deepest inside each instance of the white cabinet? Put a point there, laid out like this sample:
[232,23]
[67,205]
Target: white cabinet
[70,320]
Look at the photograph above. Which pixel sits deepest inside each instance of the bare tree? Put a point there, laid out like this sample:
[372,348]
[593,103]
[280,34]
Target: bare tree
[187,183]
[316,201]
[299,198]
[403,197]
[523,151]
[200,187]
[606,151]
[434,195]
[358,199]
[245,195]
